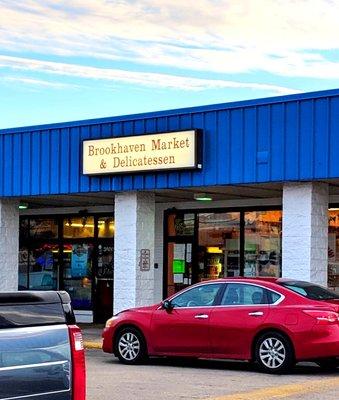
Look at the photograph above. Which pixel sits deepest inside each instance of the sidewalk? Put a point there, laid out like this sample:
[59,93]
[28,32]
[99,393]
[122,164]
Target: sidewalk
[92,335]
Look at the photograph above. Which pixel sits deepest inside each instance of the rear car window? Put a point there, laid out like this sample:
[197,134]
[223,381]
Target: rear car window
[24,315]
[310,290]
[246,294]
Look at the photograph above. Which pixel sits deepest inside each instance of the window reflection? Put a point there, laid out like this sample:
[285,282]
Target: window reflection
[43,228]
[43,267]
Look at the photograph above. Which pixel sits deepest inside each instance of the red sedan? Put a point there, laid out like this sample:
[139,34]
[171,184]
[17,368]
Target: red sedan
[274,322]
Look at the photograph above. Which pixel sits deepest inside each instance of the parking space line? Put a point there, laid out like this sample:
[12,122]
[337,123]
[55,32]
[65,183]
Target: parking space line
[283,391]
[88,344]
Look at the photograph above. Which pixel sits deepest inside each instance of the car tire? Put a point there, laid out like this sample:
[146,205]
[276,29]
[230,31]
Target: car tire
[274,353]
[130,346]
[328,364]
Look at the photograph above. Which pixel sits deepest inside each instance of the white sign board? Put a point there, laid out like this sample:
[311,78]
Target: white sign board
[142,153]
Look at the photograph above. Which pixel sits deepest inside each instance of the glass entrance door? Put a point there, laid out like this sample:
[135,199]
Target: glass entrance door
[180,273]
[77,273]
[103,273]
[103,290]
[219,245]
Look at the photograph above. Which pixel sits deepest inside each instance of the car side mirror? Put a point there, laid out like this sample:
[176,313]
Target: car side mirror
[167,305]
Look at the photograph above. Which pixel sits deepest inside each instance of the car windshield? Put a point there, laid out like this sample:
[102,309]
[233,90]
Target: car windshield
[310,290]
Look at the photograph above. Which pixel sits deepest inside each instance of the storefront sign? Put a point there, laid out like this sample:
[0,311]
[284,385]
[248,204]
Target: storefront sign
[163,151]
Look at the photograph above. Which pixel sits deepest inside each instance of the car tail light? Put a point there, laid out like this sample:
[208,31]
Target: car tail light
[323,317]
[78,363]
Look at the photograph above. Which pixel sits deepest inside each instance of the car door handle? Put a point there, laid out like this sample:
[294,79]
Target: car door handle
[201,316]
[256,314]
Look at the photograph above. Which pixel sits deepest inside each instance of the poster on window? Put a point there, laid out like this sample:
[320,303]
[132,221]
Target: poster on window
[79,260]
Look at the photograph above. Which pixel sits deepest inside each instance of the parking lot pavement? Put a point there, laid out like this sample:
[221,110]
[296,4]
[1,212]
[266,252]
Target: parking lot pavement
[107,379]
[92,335]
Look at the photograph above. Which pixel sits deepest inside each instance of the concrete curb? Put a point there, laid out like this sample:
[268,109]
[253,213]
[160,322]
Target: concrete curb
[90,345]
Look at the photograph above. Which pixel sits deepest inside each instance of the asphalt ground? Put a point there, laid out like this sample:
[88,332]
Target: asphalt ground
[164,379]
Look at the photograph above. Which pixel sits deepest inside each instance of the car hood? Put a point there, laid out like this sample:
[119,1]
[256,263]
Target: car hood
[142,309]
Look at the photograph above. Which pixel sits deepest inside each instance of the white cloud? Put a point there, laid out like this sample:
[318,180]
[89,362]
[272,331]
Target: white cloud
[37,82]
[282,37]
[131,77]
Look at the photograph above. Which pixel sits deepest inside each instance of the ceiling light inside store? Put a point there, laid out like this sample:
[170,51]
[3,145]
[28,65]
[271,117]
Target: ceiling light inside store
[202,197]
[333,209]
[215,250]
[75,225]
[23,206]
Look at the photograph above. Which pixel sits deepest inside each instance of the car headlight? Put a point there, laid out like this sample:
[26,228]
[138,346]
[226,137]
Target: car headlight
[111,321]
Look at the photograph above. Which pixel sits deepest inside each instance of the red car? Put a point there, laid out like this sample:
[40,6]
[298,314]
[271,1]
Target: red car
[274,322]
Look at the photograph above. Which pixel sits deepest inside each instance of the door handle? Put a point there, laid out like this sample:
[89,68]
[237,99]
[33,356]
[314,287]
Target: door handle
[201,316]
[256,314]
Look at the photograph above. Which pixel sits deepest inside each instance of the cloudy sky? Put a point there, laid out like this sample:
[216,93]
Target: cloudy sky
[77,59]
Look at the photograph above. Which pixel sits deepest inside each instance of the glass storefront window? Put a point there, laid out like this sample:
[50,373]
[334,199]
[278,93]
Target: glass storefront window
[262,243]
[333,250]
[44,267]
[43,228]
[64,259]
[105,227]
[218,245]
[78,227]
[221,244]
[77,274]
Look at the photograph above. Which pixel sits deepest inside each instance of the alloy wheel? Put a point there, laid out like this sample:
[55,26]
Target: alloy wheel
[272,353]
[129,346]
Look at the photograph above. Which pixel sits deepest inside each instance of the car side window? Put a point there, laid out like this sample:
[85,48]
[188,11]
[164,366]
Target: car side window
[244,294]
[273,297]
[200,296]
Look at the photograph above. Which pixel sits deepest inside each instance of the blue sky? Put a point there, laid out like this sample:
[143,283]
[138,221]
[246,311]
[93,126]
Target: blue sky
[70,60]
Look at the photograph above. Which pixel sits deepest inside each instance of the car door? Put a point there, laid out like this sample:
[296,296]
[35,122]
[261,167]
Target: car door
[243,309]
[184,329]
